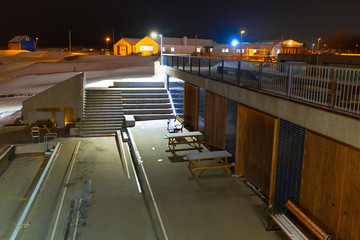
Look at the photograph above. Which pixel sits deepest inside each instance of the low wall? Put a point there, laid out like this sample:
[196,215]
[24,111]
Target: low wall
[66,97]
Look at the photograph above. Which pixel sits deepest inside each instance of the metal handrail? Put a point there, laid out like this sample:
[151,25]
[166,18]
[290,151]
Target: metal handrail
[335,88]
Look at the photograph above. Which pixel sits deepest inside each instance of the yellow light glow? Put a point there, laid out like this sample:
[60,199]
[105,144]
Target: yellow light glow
[290,43]
[153,34]
[107,39]
[242,31]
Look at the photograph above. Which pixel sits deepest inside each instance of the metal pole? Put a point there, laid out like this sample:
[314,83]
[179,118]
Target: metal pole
[69,41]
[161,40]
[289,81]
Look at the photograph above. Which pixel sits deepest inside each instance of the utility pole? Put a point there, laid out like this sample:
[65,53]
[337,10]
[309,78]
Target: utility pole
[113,37]
[70,41]
[195,45]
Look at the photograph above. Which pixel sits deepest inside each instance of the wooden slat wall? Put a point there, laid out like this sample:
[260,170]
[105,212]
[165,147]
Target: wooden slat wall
[215,120]
[191,106]
[256,140]
[331,184]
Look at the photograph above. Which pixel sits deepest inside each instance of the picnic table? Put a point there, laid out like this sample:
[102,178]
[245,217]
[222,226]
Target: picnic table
[173,138]
[220,156]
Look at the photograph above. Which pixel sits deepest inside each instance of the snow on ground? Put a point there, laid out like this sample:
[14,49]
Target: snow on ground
[25,73]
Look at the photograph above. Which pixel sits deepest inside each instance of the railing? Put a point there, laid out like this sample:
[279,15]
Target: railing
[335,88]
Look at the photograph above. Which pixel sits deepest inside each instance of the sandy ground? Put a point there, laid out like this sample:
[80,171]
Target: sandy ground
[24,74]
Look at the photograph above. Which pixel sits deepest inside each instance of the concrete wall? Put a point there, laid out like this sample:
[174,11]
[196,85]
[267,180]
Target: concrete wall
[64,97]
[334,125]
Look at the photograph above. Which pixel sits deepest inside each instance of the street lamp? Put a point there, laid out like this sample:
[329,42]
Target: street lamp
[234,43]
[153,35]
[241,33]
[107,43]
[312,48]
[318,46]
[36,43]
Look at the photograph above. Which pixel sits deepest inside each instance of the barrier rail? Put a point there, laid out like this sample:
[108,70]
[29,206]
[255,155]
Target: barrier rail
[335,88]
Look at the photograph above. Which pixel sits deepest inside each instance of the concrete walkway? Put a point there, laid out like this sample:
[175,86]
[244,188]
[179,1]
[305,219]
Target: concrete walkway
[215,206]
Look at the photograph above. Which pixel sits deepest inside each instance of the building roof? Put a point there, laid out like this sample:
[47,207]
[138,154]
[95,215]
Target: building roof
[180,41]
[18,38]
[132,41]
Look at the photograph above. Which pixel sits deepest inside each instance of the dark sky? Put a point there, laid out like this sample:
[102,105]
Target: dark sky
[92,20]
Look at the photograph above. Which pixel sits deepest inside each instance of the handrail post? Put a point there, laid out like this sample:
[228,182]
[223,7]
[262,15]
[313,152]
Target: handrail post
[199,66]
[238,72]
[333,90]
[209,67]
[260,75]
[289,81]
[177,62]
[172,61]
[190,64]
[183,58]
[222,69]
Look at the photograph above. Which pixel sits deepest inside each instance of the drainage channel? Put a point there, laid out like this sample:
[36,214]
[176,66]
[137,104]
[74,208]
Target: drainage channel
[142,179]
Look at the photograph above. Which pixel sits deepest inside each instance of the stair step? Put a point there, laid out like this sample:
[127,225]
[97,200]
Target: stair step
[145,100]
[148,111]
[103,108]
[143,90]
[109,119]
[147,105]
[145,95]
[136,84]
[97,134]
[100,128]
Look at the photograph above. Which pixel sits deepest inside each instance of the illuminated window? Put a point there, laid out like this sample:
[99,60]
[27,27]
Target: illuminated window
[147,48]
[255,51]
[242,50]
[225,50]
[237,50]
[278,51]
[163,49]
[211,49]
[172,49]
[198,49]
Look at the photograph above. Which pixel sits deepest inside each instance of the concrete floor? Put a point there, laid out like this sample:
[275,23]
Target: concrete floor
[14,191]
[215,206]
[108,205]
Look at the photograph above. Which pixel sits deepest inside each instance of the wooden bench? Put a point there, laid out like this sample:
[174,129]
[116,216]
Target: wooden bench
[290,229]
[175,137]
[175,124]
[220,156]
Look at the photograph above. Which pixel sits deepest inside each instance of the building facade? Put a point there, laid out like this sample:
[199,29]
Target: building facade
[23,42]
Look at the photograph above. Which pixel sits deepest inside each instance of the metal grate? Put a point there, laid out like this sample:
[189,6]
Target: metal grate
[289,163]
[176,89]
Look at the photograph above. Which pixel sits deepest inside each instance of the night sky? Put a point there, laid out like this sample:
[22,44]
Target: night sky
[91,21]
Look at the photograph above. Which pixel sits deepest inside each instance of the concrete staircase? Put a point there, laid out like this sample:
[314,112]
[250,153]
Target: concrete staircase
[105,107]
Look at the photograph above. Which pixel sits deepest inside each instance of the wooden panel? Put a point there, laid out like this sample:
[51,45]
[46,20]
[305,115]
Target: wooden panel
[256,136]
[331,184]
[191,106]
[215,120]
[321,180]
[349,220]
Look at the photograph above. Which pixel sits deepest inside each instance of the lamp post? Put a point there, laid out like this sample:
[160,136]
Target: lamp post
[241,34]
[312,48]
[153,35]
[36,43]
[107,43]
[318,46]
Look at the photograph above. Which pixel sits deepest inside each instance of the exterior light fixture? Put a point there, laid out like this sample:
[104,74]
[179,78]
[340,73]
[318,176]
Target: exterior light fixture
[154,35]
[234,42]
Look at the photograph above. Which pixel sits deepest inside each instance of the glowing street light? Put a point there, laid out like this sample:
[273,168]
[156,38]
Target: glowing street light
[318,46]
[154,35]
[36,43]
[241,34]
[234,43]
[107,43]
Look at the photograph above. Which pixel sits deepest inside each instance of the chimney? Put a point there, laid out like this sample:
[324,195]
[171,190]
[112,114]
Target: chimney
[185,40]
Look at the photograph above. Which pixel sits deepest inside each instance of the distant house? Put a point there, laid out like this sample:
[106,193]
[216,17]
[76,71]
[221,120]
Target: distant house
[259,49]
[129,46]
[21,43]
[186,45]
[126,46]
